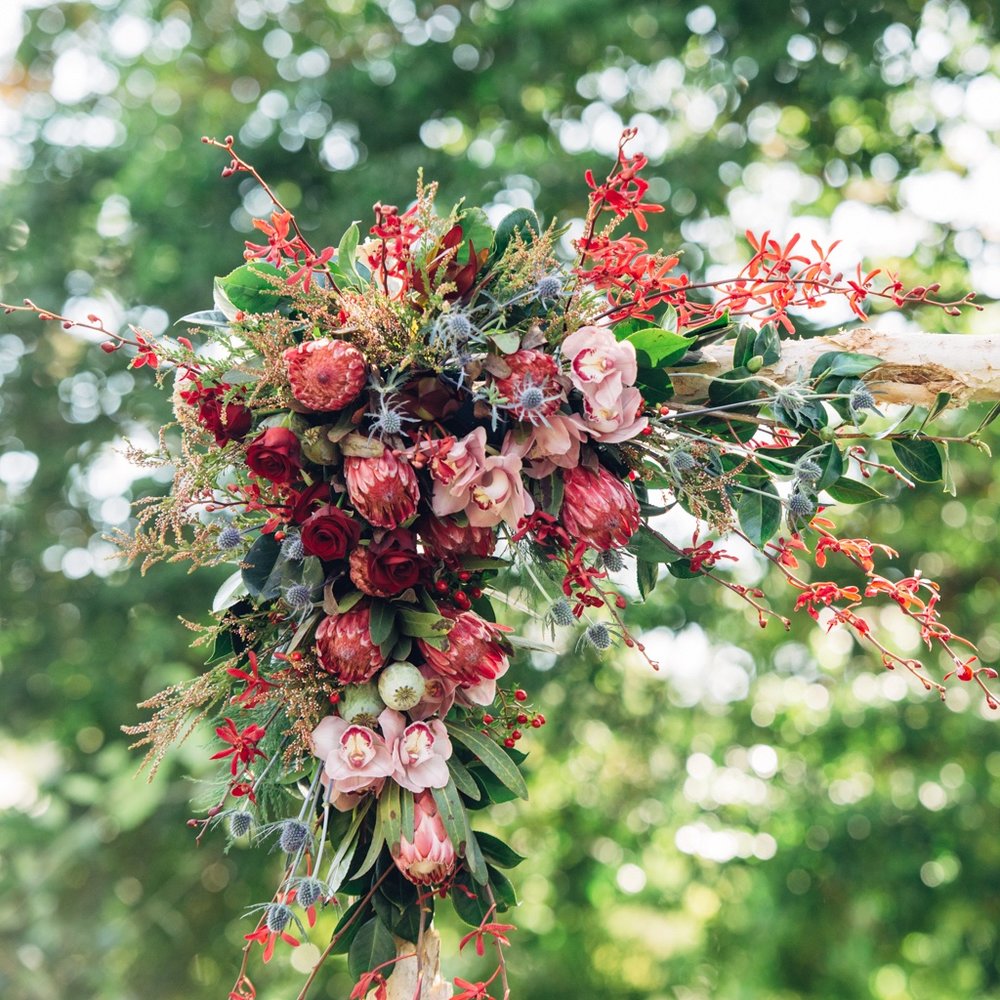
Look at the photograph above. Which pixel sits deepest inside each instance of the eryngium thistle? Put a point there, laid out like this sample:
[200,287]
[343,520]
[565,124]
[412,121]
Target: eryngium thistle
[294,836]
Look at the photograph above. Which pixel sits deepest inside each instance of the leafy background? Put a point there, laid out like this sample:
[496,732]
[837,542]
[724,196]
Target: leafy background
[770,816]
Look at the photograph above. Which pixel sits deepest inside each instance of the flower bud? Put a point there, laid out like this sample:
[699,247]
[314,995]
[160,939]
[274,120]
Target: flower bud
[430,858]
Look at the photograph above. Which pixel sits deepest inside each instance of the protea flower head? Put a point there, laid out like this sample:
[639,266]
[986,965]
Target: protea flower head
[532,388]
[430,858]
[472,654]
[444,538]
[345,648]
[326,375]
[598,508]
[384,490]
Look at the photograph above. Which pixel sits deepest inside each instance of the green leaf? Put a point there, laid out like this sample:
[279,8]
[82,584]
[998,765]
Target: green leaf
[477,229]
[222,648]
[452,814]
[423,624]
[374,848]
[474,856]
[521,220]
[251,288]
[736,386]
[646,575]
[743,348]
[345,938]
[372,946]
[381,621]
[852,491]
[760,513]
[650,545]
[920,458]
[492,757]
[507,342]
[503,890]
[475,563]
[767,344]
[656,348]
[463,780]
[347,250]
[497,852]
[471,901]
[830,460]
[389,807]
[406,814]
[843,364]
[258,566]
[941,402]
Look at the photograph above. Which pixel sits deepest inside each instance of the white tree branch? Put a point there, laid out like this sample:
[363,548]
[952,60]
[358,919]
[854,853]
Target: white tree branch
[917,366]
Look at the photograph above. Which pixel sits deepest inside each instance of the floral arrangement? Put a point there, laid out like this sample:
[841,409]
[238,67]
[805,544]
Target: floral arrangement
[396,439]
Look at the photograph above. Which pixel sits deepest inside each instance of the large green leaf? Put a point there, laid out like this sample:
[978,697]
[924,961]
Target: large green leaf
[521,220]
[491,756]
[372,946]
[656,348]
[381,621]
[254,287]
[258,569]
[759,513]
[920,458]
[843,364]
[853,491]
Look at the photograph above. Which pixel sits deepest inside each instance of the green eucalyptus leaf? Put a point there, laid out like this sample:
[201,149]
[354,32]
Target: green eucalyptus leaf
[491,756]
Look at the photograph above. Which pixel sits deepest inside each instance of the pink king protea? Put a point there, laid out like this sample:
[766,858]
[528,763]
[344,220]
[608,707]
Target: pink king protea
[326,374]
[384,490]
[430,858]
[472,655]
[444,538]
[598,508]
[344,647]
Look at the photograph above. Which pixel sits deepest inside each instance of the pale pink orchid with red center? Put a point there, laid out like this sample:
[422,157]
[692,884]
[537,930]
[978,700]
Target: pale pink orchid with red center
[487,488]
[419,751]
[355,757]
[430,857]
[554,444]
[604,369]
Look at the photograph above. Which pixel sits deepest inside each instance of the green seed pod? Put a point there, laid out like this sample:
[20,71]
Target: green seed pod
[360,704]
[401,686]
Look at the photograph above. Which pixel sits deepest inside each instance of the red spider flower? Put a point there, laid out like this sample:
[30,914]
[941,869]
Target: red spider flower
[243,745]
[470,991]
[369,981]
[497,931]
[257,687]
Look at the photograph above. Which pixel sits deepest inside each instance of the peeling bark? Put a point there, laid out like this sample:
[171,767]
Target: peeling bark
[917,366]
[403,983]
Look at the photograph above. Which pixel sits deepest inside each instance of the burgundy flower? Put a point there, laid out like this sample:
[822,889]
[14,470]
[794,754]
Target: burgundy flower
[344,647]
[275,455]
[326,375]
[384,490]
[226,421]
[444,538]
[598,508]
[330,533]
[300,503]
[389,566]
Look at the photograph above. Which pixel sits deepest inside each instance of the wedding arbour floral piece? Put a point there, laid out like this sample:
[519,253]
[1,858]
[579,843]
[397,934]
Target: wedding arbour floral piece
[395,439]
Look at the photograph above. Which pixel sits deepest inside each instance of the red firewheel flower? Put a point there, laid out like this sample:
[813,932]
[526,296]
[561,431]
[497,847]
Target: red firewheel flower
[243,745]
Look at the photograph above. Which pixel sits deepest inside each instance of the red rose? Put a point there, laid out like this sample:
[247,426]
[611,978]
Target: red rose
[299,503]
[330,533]
[275,455]
[229,422]
[389,566]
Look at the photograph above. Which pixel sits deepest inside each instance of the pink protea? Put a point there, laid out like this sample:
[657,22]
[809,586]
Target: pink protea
[430,858]
[325,374]
[444,538]
[344,647]
[384,490]
[532,388]
[355,758]
[598,508]
[472,654]
[419,751]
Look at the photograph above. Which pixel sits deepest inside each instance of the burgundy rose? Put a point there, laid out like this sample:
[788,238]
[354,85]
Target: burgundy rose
[227,422]
[389,566]
[330,533]
[300,504]
[275,455]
